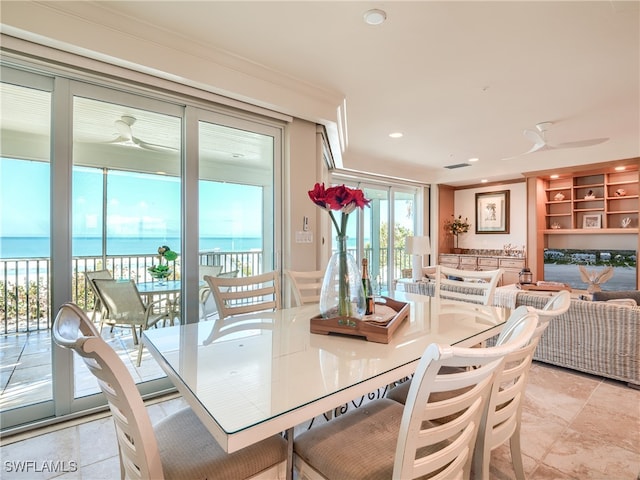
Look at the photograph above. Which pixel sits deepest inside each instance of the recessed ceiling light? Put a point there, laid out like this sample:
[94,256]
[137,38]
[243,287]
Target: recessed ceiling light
[619,169]
[553,177]
[396,135]
[375,16]
[484,180]
[237,155]
[474,159]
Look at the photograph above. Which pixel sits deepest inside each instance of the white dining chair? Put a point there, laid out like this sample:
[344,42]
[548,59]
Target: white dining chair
[511,326]
[558,304]
[306,286]
[476,286]
[236,296]
[424,437]
[504,414]
[177,447]
[206,301]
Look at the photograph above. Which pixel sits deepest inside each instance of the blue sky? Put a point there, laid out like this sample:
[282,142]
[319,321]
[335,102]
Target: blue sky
[136,202]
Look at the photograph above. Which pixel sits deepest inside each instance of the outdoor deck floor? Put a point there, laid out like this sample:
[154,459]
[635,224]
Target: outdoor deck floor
[25,366]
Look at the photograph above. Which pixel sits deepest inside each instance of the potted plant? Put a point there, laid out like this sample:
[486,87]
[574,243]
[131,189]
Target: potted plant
[455,227]
[162,271]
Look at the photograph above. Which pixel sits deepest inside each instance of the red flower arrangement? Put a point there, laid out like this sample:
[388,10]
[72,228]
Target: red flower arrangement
[341,198]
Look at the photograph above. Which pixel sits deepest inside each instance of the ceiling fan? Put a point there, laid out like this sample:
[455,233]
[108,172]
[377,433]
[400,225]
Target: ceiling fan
[540,141]
[124,127]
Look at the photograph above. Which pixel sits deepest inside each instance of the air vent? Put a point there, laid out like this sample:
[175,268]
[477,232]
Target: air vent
[457,165]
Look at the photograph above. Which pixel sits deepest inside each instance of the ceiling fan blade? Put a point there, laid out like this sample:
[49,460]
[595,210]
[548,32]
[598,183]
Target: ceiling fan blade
[581,143]
[534,137]
[538,144]
[538,147]
[153,146]
[120,141]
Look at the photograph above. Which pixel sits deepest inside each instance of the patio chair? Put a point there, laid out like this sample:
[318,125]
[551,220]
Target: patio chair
[89,278]
[177,447]
[467,285]
[424,437]
[306,286]
[236,296]
[125,307]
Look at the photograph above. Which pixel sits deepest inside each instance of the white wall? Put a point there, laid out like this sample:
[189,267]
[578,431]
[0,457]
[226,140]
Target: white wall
[465,201]
[300,177]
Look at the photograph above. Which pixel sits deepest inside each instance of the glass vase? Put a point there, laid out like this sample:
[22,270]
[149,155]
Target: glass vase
[341,294]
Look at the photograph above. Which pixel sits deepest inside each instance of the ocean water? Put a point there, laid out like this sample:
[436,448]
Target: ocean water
[38,247]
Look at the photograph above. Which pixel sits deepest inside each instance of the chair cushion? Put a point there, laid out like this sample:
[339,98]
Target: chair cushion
[188,451]
[359,444]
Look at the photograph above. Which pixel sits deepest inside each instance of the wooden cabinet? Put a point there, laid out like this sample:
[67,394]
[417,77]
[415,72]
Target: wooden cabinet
[468,262]
[585,203]
[512,268]
[449,260]
[487,263]
[511,265]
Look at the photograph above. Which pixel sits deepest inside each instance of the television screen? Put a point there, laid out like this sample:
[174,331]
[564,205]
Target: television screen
[562,265]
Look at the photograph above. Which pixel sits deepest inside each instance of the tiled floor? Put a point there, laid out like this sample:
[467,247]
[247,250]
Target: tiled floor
[575,426]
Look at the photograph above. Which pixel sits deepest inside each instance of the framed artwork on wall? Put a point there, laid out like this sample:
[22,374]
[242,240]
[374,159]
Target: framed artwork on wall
[492,212]
[591,221]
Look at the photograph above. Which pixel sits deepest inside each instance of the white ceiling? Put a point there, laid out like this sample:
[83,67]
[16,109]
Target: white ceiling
[459,79]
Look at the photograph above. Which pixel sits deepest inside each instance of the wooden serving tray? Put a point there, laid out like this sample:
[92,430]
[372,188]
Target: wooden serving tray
[545,288]
[371,331]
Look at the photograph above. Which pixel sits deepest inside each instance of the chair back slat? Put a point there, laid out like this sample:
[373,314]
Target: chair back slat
[306,286]
[438,434]
[208,305]
[236,296]
[504,412]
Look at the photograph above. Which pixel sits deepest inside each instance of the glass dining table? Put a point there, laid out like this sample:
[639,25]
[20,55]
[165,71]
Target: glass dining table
[256,375]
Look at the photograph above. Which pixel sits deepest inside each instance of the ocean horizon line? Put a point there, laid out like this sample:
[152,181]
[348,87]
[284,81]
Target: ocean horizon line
[37,247]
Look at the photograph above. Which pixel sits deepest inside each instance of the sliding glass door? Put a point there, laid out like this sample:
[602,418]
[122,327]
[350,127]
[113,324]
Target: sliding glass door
[97,178]
[26,377]
[238,208]
[379,233]
[125,206]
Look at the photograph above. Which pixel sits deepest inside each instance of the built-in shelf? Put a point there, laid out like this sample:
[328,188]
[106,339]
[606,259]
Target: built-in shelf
[564,219]
[600,200]
[590,231]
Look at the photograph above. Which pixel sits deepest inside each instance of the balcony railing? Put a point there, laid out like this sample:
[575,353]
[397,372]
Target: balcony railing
[25,304]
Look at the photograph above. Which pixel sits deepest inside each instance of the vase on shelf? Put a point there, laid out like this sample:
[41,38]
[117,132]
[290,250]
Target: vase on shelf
[341,294]
[456,250]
